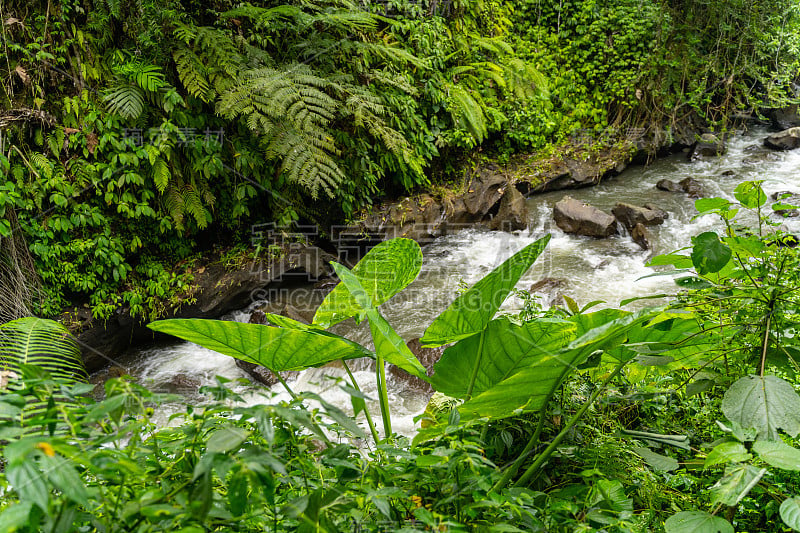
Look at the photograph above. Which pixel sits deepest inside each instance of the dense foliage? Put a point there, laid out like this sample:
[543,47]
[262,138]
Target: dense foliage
[694,423]
[139,134]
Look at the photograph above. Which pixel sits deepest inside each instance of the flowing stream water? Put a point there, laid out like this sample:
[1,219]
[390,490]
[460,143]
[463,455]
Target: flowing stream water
[610,269]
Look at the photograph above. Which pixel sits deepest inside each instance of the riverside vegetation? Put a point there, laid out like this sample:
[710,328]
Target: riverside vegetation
[693,426]
[141,134]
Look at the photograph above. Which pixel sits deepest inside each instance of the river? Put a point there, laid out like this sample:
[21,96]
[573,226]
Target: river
[610,269]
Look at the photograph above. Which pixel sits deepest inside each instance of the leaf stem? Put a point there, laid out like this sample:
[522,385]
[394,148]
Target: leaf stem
[545,455]
[380,373]
[370,423]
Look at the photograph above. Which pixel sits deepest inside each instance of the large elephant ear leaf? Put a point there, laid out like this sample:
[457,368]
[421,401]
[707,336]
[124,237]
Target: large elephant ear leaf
[512,348]
[471,312]
[529,388]
[278,349]
[43,343]
[383,272]
[388,344]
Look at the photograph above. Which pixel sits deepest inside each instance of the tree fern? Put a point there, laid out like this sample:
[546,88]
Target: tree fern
[467,112]
[292,111]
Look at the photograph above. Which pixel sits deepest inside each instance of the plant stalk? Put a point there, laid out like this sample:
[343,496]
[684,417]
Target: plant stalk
[370,423]
[545,455]
[380,372]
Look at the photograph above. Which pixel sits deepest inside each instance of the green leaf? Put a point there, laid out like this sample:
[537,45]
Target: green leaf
[471,312]
[384,271]
[530,388]
[778,454]
[507,349]
[237,494]
[161,175]
[43,343]
[388,344]
[738,480]
[696,522]
[710,205]
[29,483]
[226,438]
[278,349]
[790,512]
[677,260]
[727,452]
[766,404]
[15,516]
[750,194]
[660,463]
[709,254]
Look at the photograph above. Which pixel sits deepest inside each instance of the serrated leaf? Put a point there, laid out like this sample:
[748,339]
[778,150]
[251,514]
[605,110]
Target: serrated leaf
[226,438]
[750,194]
[727,452]
[766,404]
[778,454]
[384,271]
[660,463]
[471,312]
[696,522]
[709,205]
[734,485]
[790,512]
[709,254]
[278,349]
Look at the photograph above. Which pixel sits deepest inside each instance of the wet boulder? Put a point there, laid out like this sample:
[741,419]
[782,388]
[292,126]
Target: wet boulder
[784,140]
[668,185]
[708,145]
[641,236]
[576,217]
[630,215]
[513,212]
[551,289]
[427,357]
[692,187]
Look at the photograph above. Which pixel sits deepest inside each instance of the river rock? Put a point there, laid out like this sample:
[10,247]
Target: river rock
[708,145]
[574,216]
[784,118]
[641,236]
[427,357]
[552,289]
[692,187]
[484,192]
[789,198]
[630,215]
[784,140]
[668,185]
[513,212]
[653,207]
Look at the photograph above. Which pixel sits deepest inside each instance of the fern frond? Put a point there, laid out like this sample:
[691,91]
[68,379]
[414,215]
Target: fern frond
[161,174]
[125,100]
[193,74]
[467,113]
[525,80]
